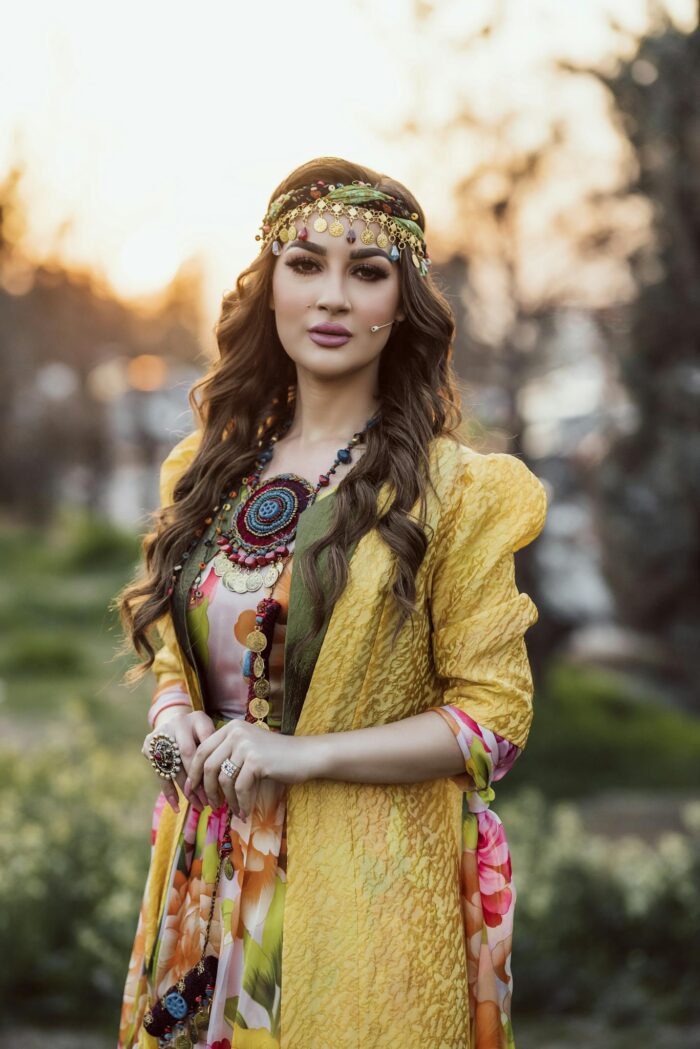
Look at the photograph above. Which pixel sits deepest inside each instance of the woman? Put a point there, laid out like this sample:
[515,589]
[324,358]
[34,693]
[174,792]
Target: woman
[326,872]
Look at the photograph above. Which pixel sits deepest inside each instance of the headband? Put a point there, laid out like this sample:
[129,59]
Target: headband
[358,200]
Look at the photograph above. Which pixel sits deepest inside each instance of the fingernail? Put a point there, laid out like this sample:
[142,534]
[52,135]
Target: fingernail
[187,789]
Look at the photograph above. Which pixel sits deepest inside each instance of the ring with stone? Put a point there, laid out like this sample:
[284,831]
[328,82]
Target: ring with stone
[229,768]
[165,755]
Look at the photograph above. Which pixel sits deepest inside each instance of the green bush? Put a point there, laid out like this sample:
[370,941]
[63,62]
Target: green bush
[74,848]
[35,654]
[600,927]
[594,731]
[95,544]
[603,926]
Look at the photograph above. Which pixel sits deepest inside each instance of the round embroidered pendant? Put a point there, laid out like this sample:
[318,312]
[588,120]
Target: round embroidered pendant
[176,1005]
[270,515]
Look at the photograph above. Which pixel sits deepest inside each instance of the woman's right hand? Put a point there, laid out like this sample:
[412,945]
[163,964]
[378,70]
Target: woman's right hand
[188,730]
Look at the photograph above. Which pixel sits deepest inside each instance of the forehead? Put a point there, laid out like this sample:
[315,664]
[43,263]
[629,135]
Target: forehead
[334,245]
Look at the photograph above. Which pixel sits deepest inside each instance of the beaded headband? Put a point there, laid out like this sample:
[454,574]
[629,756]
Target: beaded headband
[359,200]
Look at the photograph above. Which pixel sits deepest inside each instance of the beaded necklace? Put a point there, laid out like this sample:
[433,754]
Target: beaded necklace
[253,550]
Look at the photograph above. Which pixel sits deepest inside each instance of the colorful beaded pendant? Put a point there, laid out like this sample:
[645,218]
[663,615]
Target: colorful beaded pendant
[253,550]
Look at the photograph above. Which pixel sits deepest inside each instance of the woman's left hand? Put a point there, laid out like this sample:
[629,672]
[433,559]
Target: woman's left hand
[260,753]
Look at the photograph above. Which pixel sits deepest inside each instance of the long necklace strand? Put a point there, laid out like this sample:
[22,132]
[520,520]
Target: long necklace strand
[253,550]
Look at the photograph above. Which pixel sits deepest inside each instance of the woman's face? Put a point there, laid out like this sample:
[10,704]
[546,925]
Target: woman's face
[326,280]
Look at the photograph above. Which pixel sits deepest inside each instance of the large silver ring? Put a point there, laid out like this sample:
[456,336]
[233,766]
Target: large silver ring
[165,755]
[229,768]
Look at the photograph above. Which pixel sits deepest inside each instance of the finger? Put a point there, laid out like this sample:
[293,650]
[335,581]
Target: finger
[188,749]
[202,754]
[246,784]
[212,769]
[171,795]
[203,726]
[228,785]
[197,794]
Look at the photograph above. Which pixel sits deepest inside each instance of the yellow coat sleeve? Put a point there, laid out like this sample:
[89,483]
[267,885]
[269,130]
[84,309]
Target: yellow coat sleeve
[479,618]
[166,665]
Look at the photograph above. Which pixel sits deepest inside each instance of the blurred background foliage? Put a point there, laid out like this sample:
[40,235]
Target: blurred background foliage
[587,368]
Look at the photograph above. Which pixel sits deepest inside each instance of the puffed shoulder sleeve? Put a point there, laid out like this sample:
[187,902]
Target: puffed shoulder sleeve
[175,464]
[171,689]
[479,618]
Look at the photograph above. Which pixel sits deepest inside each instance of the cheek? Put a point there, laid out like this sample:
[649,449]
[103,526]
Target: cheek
[374,295]
[289,294]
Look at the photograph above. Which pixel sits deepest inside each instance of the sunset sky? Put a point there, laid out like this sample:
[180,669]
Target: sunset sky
[156,132]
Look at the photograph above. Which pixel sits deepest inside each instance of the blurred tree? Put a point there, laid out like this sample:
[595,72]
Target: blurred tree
[649,482]
[56,325]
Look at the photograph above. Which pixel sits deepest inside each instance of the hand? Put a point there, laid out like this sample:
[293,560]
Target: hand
[260,753]
[189,731]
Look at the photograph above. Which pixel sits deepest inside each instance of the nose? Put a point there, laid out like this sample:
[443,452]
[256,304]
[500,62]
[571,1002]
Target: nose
[332,294]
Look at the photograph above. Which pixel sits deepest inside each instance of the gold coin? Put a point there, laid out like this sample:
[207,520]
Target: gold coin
[262,724]
[253,580]
[239,584]
[221,564]
[414,259]
[229,872]
[258,666]
[270,575]
[292,231]
[336,229]
[258,707]
[283,235]
[261,687]
[256,640]
[367,237]
[382,240]
[320,225]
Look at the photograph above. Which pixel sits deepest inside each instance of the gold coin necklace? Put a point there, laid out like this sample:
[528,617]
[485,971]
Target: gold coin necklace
[254,549]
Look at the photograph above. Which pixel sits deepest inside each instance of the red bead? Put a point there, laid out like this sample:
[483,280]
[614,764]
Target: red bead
[270,556]
[282,551]
[226,547]
[320,182]
[323,480]
[251,560]
[303,234]
[261,559]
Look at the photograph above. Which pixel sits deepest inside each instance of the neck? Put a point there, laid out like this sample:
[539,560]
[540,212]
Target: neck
[324,414]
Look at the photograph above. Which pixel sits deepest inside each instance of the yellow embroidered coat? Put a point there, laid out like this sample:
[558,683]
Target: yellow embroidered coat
[374,930]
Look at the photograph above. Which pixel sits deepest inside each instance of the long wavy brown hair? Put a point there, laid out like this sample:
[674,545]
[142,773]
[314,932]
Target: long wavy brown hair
[250,391]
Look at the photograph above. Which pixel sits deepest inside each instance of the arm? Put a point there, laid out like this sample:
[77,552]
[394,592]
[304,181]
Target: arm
[171,696]
[478,645]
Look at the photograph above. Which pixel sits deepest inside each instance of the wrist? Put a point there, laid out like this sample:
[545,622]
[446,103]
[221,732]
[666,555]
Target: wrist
[319,759]
[169,713]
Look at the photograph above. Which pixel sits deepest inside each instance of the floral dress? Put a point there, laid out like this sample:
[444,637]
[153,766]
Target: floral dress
[246,932]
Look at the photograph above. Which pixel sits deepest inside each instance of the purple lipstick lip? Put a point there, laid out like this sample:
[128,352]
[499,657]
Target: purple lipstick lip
[331,329]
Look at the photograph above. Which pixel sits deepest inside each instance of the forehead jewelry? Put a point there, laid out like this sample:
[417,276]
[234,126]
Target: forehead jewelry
[287,217]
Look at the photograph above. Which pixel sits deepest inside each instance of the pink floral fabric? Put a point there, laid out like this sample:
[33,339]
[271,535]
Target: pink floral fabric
[487,890]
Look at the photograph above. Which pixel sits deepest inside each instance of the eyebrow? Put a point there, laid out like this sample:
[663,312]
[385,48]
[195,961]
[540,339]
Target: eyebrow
[358,253]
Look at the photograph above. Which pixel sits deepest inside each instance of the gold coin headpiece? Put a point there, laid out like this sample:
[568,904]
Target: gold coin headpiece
[288,215]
